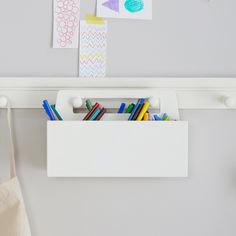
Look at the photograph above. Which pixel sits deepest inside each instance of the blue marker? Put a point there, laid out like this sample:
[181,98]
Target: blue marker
[45,109]
[157,117]
[122,108]
[95,114]
[48,110]
[140,102]
[151,117]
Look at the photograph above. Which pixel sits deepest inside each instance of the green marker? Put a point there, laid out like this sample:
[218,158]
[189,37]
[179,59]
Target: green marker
[89,104]
[165,117]
[129,108]
[56,112]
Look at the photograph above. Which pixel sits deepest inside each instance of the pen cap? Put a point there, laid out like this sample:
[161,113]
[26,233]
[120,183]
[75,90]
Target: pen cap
[89,104]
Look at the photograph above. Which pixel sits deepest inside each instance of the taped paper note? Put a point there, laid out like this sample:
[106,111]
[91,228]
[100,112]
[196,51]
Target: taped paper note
[66,24]
[134,9]
[93,44]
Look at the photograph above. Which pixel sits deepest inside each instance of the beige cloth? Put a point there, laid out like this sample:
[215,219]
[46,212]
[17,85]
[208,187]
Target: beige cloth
[13,217]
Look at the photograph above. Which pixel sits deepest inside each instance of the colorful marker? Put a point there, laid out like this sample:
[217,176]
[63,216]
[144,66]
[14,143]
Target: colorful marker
[56,112]
[100,115]
[89,104]
[165,117]
[48,110]
[151,117]
[140,107]
[143,111]
[156,117]
[96,105]
[129,108]
[146,116]
[122,108]
[95,114]
[140,102]
[54,115]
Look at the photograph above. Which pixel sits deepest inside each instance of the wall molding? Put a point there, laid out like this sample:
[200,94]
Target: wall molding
[193,93]
[45,83]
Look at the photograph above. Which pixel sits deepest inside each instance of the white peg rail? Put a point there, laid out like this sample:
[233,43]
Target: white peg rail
[192,93]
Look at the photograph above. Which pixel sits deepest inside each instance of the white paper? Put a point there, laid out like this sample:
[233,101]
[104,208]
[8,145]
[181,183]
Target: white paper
[66,23]
[93,44]
[133,9]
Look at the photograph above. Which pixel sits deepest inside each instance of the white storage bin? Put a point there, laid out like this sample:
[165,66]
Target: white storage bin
[116,148]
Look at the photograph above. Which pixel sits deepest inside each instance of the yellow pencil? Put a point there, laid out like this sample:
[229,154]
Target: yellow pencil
[143,111]
[146,116]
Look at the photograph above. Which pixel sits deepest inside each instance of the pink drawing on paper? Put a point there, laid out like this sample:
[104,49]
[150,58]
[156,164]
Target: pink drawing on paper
[66,20]
[112,4]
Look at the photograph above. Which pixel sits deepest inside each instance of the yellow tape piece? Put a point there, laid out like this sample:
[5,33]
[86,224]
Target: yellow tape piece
[92,19]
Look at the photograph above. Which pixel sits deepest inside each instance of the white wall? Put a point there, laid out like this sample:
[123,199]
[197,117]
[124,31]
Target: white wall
[185,37]
[203,204]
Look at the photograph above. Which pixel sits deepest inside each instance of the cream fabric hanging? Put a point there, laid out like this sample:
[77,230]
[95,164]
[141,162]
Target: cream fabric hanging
[13,217]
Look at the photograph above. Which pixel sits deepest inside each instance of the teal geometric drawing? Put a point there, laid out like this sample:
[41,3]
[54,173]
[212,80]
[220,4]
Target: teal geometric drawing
[134,5]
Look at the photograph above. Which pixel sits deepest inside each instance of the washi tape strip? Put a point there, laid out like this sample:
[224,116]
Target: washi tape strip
[66,23]
[92,19]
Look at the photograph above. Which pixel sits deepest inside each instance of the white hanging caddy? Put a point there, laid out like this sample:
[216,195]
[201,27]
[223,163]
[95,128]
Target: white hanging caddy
[114,146]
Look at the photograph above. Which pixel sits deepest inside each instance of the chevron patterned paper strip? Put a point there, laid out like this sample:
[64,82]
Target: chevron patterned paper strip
[93,44]
[66,23]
